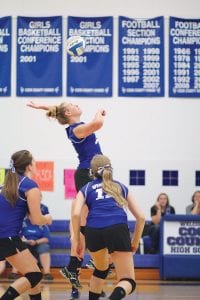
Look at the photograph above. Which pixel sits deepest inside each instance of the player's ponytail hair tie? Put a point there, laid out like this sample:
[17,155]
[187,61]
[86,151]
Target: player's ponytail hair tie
[11,167]
[101,169]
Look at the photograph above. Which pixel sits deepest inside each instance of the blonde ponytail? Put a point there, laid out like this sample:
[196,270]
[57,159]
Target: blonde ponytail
[112,188]
[58,113]
[101,167]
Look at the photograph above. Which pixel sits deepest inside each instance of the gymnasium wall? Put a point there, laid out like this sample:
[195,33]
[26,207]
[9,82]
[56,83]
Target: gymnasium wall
[151,134]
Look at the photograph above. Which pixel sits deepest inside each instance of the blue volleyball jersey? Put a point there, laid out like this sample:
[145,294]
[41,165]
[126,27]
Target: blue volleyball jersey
[103,209]
[86,147]
[11,217]
[34,232]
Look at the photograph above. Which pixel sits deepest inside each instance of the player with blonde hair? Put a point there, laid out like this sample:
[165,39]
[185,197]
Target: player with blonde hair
[106,229]
[83,138]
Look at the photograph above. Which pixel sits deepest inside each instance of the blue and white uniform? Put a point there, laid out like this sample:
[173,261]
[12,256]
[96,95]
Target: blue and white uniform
[86,147]
[11,217]
[107,223]
[103,209]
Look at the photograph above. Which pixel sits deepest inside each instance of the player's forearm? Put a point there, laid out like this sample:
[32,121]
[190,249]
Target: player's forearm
[44,107]
[139,227]
[98,120]
[38,106]
[76,226]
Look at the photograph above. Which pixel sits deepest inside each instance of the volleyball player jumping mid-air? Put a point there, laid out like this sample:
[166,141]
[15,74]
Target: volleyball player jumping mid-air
[83,138]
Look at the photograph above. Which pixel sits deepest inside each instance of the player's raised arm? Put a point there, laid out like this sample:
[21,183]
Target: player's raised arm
[86,129]
[38,106]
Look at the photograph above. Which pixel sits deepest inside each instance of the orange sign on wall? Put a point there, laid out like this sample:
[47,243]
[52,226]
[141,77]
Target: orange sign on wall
[45,175]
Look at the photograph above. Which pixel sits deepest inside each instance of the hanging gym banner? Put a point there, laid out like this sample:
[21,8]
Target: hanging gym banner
[5,56]
[184,57]
[90,75]
[39,56]
[141,57]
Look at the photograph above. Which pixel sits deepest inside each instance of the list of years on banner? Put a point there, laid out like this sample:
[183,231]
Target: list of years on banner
[185,39]
[39,37]
[141,44]
[4,48]
[95,39]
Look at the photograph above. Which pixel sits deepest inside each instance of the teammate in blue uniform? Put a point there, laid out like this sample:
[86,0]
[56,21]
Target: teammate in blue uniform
[20,195]
[83,138]
[107,229]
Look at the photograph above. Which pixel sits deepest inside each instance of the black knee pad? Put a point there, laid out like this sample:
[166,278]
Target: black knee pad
[101,274]
[34,278]
[132,282]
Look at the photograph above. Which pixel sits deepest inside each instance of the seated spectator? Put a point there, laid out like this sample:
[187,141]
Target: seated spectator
[194,208]
[37,238]
[160,209]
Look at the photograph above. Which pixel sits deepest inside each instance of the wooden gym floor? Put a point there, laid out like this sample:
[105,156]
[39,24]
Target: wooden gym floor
[147,289]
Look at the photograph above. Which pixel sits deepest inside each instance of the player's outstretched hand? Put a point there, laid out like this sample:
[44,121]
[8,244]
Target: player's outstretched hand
[33,105]
[38,106]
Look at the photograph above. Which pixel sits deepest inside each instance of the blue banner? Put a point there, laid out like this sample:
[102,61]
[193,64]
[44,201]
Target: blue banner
[90,75]
[184,57]
[5,56]
[141,57]
[39,56]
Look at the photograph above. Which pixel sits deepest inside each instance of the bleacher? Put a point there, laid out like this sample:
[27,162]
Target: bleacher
[60,247]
